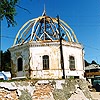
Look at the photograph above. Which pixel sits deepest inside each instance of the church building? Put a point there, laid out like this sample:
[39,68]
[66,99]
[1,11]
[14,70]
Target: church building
[46,48]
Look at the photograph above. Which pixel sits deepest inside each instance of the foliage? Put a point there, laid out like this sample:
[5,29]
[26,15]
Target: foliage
[86,63]
[5,61]
[7,10]
[93,62]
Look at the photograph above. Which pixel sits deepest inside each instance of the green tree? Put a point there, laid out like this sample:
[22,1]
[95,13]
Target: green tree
[1,53]
[7,10]
[93,62]
[5,61]
[86,63]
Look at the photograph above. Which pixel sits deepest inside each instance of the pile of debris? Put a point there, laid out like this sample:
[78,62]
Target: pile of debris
[5,94]
[69,89]
[43,91]
[72,89]
[18,90]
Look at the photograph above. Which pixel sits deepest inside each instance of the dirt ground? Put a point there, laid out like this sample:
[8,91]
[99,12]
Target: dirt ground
[95,95]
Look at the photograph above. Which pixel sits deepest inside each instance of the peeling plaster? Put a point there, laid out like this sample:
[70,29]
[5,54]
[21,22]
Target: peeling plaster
[32,58]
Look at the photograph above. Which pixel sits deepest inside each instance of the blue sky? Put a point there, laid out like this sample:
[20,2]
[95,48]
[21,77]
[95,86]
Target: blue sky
[83,16]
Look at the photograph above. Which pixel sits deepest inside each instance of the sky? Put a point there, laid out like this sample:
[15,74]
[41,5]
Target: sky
[83,16]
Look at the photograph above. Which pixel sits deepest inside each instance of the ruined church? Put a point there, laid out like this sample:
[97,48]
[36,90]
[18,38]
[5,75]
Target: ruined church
[46,48]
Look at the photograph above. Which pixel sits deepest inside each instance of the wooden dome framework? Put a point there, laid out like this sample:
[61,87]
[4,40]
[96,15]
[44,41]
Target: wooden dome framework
[44,28]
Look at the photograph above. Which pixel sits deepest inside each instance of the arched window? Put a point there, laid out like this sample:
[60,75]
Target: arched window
[45,62]
[20,64]
[71,63]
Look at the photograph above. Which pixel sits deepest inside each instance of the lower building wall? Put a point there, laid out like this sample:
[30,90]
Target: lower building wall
[47,74]
[55,74]
[77,73]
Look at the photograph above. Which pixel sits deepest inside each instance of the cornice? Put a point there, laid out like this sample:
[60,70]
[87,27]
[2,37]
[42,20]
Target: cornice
[45,43]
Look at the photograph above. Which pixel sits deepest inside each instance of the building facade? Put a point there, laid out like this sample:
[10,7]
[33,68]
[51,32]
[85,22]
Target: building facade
[36,52]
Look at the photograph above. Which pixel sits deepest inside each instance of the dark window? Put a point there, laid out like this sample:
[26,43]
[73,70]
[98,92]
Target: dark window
[20,64]
[45,62]
[71,63]
[76,77]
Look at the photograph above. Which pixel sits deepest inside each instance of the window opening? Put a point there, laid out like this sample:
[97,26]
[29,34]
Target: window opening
[20,64]
[45,62]
[71,63]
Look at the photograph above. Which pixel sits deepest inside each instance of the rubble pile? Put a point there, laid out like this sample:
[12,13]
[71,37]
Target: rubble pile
[43,92]
[73,88]
[69,89]
[18,90]
[6,94]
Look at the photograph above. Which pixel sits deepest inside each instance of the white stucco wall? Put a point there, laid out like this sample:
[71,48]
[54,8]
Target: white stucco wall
[19,52]
[53,51]
[78,54]
[32,53]
[36,62]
